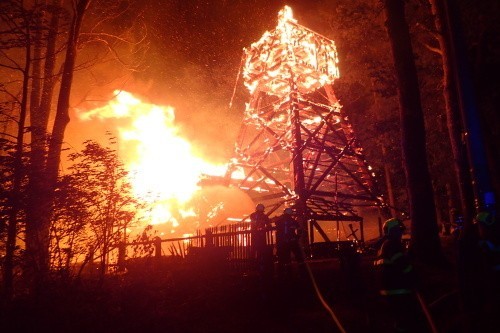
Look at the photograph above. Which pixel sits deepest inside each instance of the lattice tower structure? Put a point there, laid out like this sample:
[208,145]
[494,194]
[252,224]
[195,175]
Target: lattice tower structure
[296,148]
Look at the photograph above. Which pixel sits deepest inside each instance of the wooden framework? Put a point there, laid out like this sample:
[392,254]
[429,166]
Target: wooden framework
[296,148]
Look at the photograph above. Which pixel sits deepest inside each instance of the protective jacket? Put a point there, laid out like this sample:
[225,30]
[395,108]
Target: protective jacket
[395,273]
[260,223]
[491,254]
[287,229]
[287,239]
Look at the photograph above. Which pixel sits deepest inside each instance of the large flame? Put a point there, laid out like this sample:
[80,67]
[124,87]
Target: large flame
[164,167]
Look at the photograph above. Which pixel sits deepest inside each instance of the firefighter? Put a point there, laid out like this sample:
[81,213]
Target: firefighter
[489,282]
[287,242]
[489,239]
[260,225]
[397,278]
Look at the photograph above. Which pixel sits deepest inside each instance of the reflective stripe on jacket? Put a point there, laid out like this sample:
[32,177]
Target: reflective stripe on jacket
[394,270]
[390,292]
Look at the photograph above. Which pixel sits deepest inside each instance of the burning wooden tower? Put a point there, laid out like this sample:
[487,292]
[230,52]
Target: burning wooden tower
[296,148]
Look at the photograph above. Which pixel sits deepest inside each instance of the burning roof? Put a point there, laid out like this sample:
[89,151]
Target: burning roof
[290,50]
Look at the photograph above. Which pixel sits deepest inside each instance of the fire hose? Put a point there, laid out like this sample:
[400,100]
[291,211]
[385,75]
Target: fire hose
[320,296]
[426,311]
[327,307]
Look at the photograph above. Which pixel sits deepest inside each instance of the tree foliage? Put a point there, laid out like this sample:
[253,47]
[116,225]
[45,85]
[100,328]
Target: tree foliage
[38,61]
[95,209]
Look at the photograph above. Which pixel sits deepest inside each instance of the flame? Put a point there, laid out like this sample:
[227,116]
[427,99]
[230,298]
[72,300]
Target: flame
[290,48]
[164,168]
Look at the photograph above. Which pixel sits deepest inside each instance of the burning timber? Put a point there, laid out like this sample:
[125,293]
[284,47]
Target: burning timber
[296,147]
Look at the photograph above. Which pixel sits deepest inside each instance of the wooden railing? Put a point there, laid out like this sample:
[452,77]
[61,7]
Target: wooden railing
[229,242]
[233,241]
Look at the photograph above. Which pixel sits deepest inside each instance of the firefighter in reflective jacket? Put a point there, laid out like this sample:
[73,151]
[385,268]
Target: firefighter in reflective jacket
[396,277]
[287,242]
[489,240]
[489,249]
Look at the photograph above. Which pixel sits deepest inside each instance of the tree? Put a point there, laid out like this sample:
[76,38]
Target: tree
[51,35]
[469,152]
[69,239]
[96,209]
[453,119]
[367,90]
[18,28]
[424,231]
[37,38]
[43,181]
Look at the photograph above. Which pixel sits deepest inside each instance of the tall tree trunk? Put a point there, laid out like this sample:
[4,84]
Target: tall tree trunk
[478,186]
[453,119]
[39,115]
[424,230]
[37,231]
[15,196]
[37,191]
[36,67]
[388,182]
[481,180]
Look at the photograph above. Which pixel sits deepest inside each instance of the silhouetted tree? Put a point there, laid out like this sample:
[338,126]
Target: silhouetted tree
[95,207]
[19,26]
[367,90]
[37,38]
[424,231]
[453,119]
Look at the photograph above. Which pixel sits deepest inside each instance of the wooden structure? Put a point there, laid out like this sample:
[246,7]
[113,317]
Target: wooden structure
[296,148]
[228,243]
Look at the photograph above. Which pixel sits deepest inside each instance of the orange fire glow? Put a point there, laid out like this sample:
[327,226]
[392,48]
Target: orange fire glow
[164,167]
[269,61]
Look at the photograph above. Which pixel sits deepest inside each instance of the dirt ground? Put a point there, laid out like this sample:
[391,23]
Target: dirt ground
[213,297]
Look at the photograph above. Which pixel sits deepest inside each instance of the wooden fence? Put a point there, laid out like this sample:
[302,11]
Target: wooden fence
[232,242]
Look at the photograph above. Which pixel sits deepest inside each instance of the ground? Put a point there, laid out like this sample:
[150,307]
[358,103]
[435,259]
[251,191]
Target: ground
[210,297]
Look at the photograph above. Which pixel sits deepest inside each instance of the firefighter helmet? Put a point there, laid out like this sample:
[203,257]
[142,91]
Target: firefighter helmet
[260,207]
[392,223]
[288,211]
